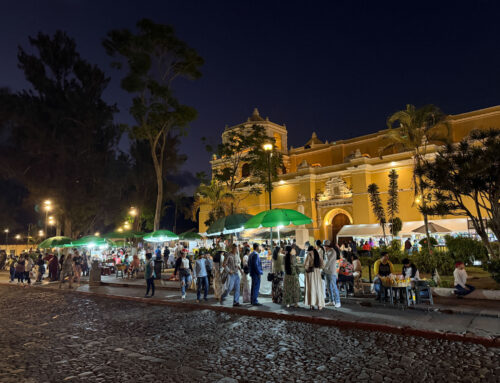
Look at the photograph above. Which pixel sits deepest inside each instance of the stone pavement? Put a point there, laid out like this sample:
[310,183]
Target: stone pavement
[450,318]
[53,337]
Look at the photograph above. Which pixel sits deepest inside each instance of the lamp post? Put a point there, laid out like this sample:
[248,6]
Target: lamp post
[6,231]
[268,148]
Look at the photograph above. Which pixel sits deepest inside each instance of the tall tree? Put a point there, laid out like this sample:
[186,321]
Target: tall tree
[393,203]
[243,161]
[412,130]
[155,57]
[377,207]
[61,131]
[215,195]
[466,181]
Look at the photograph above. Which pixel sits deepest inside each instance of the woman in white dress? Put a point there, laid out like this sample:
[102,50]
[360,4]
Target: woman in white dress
[315,293]
[245,278]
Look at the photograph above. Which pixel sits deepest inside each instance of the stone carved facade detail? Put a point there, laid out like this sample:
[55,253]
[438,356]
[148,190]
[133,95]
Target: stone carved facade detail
[335,189]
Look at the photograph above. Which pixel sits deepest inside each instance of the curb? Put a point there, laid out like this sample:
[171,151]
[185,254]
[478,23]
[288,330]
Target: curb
[322,321]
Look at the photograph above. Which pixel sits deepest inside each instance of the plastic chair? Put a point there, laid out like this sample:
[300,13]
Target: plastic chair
[423,292]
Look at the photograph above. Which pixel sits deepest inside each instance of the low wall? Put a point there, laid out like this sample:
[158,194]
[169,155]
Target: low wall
[476,294]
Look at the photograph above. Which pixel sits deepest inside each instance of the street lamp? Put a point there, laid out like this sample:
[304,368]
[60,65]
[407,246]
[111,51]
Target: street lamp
[40,233]
[268,148]
[6,231]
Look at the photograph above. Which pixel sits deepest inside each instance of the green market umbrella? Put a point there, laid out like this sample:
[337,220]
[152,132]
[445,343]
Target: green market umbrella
[160,236]
[189,235]
[228,225]
[277,217]
[54,242]
[90,241]
[123,234]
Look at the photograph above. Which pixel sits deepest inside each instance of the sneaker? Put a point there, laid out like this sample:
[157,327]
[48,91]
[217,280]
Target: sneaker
[183,296]
[337,305]
[329,304]
[257,304]
[236,304]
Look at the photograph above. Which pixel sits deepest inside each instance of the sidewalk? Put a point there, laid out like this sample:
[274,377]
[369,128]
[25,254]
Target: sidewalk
[453,320]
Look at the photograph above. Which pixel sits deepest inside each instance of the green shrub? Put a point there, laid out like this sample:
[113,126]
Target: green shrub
[440,260]
[466,250]
[423,242]
[493,267]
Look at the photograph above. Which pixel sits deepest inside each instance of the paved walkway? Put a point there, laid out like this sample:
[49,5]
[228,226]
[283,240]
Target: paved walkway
[449,318]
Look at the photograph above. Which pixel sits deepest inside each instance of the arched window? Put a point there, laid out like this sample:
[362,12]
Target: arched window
[245,170]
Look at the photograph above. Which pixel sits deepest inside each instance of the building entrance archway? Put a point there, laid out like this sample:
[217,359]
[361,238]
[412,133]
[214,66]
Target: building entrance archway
[338,221]
[333,221]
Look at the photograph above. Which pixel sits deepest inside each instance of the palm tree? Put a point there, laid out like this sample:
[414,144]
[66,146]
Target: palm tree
[412,130]
[216,195]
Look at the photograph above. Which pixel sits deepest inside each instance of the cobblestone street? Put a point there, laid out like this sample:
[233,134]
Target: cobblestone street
[47,336]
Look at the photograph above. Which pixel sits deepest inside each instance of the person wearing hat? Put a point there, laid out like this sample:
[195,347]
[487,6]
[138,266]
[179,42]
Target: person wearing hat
[460,281]
[330,271]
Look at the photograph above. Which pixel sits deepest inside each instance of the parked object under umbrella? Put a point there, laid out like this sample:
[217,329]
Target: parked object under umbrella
[230,224]
[52,242]
[433,228]
[277,218]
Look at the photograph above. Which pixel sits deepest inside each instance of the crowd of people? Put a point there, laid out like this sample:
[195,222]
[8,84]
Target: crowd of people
[34,266]
[237,270]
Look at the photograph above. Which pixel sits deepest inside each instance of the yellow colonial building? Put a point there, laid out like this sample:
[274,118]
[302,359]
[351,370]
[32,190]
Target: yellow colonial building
[327,179]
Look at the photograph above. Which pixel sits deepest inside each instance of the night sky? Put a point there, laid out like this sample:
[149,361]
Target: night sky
[337,68]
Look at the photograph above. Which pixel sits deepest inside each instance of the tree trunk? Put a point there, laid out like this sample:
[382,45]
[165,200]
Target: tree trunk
[174,229]
[159,196]
[420,189]
[67,227]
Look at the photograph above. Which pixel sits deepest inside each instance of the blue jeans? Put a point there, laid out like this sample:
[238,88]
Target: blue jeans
[202,281]
[331,285]
[234,284]
[379,289]
[185,282]
[459,290]
[254,294]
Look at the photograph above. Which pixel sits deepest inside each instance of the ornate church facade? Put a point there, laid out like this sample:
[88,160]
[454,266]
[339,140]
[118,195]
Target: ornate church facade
[328,180]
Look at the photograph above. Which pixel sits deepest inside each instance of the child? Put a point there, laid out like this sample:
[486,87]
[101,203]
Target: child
[460,275]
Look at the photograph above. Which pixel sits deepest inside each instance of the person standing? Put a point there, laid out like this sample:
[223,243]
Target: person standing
[53,266]
[460,281]
[201,270]
[66,271]
[277,270]
[149,275]
[185,270]
[20,269]
[255,271]
[218,259]
[291,285]
[232,264]
[245,280]
[77,266]
[41,268]
[408,246]
[315,294]
[330,271]
[28,270]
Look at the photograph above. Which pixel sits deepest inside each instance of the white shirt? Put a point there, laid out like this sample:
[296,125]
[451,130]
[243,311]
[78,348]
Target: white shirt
[460,277]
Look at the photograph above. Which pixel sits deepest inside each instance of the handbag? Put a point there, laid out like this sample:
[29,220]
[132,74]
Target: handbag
[270,277]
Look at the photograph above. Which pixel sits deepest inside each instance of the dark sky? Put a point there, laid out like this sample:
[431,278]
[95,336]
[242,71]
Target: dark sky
[337,68]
